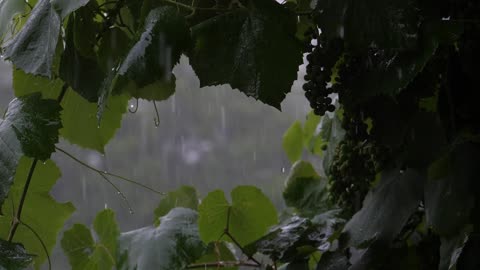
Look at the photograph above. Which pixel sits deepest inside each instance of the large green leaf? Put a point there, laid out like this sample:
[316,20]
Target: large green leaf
[82,251]
[306,190]
[30,128]
[80,125]
[386,208]
[165,37]
[449,192]
[8,10]
[185,196]
[172,245]
[40,211]
[293,141]
[13,256]
[249,215]
[253,50]
[33,48]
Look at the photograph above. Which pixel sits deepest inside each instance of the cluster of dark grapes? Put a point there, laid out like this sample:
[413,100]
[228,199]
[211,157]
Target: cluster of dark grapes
[321,58]
[355,165]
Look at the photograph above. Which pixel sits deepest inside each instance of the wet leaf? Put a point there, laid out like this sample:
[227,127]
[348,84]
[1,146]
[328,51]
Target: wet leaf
[449,192]
[13,256]
[251,214]
[185,196]
[30,128]
[305,190]
[33,48]
[386,208]
[253,50]
[172,245]
[83,74]
[165,37]
[83,252]
[8,10]
[37,210]
[65,7]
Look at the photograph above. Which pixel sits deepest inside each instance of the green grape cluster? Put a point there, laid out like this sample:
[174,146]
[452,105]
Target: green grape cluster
[321,59]
[355,165]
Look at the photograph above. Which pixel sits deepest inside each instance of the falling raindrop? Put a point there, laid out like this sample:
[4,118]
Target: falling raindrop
[283,169]
[106,206]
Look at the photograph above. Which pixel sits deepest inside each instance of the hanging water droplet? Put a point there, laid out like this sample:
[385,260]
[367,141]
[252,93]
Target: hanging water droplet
[130,210]
[45,162]
[106,206]
[105,172]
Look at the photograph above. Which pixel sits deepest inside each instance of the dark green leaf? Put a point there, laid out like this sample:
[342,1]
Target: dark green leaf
[450,250]
[185,196]
[253,50]
[333,261]
[33,48]
[330,131]
[449,192]
[30,128]
[251,214]
[65,7]
[305,190]
[13,256]
[81,249]
[40,211]
[384,24]
[81,73]
[113,45]
[172,245]
[296,238]
[166,36]
[386,208]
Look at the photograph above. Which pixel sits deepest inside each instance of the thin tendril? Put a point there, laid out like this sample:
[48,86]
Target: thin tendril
[136,107]
[157,116]
[109,174]
[41,242]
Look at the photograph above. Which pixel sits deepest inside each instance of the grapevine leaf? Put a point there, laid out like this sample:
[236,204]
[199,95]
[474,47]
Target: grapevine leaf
[13,256]
[289,240]
[253,50]
[449,192]
[293,141]
[83,128]
[333,261]
[386,208]
[305,190]
[30,128]
[388,72]
[83,252]
[33,48]
[386,24]
[83,74]
[166,36]
[249,216]
[65,7]
[8,10]
[172,245]
[78,128]
[37,210]
[113,45]
[185,196]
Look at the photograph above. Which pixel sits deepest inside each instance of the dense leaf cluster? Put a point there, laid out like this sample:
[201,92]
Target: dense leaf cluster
[395,81]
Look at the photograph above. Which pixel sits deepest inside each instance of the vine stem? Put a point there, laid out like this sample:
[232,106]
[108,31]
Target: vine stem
[104,174]
[178,4]
[16,220]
